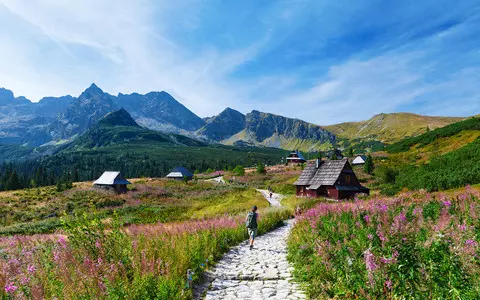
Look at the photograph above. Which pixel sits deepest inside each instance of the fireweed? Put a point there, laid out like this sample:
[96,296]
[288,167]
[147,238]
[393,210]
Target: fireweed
[91,260]
[416,245]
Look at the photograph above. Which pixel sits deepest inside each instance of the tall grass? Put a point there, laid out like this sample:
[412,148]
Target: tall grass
[93,259]
[415,246]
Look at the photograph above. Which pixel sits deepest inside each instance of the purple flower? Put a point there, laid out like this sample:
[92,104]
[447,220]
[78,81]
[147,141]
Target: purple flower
[469,243]
[462,227]
[24,280]
[370,261]
[366,218]
[10,288]
[447,203]
[388,284]
[370,236]
[98,245]
[62,242]
[31,269]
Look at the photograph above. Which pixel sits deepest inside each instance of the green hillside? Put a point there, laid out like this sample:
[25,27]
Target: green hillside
[388,128]
[440,159]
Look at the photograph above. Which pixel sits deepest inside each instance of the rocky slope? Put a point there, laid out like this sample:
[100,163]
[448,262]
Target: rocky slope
[264,129]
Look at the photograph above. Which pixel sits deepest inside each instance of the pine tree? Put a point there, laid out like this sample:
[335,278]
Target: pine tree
[350,152]
[369,166]
[261,168]
[13,182]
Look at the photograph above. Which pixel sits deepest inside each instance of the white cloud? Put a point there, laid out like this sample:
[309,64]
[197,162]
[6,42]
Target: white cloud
[356,90]
[123,46]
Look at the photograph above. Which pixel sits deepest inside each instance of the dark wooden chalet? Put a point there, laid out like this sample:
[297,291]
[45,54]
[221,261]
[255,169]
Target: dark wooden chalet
[295,157]
[112,181]
[330,178]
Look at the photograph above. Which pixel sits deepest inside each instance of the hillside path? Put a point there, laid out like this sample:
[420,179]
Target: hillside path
[218,179]
[276,198]
[260,273]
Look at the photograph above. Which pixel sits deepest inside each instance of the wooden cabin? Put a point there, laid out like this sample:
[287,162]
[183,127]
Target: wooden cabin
[179,173]
[112,181]
[295,157]
[359,160]
[330,178]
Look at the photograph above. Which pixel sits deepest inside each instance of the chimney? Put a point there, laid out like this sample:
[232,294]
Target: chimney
[317,163]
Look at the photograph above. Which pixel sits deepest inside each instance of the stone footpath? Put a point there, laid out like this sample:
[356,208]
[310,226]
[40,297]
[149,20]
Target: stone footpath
[275,200]
[260,273]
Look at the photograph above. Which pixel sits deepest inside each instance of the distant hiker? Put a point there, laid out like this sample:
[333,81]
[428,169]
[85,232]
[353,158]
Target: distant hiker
[251,222]
[271,194]
[298,211]
[269,189]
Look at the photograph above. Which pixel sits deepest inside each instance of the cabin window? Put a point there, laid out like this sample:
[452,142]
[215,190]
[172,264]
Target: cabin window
[347,179]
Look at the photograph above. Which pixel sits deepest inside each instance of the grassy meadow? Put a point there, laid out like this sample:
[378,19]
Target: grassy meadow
[96,244]
[148,201]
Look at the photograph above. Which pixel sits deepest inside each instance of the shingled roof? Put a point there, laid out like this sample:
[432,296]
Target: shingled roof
[327,173]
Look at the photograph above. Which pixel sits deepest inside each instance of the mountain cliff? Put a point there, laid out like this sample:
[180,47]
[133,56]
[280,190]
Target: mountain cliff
[264,129]
[159,111]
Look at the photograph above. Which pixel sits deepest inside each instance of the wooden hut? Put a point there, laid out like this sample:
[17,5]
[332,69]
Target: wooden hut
[179,173]
[112,181]
[331,178]
[295,157]
[359,160]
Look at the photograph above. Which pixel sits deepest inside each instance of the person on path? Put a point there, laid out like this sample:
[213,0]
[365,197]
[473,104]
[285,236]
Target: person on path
[271,194]
[251,222]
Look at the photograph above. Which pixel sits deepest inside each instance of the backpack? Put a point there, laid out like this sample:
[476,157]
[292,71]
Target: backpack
[252,220]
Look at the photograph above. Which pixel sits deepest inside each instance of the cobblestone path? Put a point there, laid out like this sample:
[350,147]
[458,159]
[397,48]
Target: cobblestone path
[260,273]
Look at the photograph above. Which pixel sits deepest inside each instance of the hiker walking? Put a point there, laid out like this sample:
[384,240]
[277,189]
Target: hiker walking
[251,222]
[271,194]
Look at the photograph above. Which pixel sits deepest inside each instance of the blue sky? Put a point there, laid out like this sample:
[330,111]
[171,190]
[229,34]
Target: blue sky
[322,61]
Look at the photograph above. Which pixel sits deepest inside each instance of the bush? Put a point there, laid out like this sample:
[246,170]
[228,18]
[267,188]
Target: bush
[239,170]
[261,168]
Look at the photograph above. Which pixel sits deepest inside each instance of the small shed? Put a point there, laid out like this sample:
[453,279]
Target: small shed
[179,173]
[295,157]
[332,178]
[111,180]
[359,160]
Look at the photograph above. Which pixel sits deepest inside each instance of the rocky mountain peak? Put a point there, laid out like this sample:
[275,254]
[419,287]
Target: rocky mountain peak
[118,118]
[6,96]
[92,90]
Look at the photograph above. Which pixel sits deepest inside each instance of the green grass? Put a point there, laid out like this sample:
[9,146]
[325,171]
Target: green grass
[38,210]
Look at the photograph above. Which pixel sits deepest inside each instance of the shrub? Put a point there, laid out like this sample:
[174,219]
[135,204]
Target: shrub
[239,170]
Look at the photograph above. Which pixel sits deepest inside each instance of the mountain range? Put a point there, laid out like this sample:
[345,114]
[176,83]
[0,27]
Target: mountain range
[57,120]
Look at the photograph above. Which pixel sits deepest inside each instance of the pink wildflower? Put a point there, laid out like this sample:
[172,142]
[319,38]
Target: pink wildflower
[31,269]
[447,203]
[370,265]
[469,243]
[62,242]
[24,280]
[98,245]
[370,236]
[462,227]
[10,288]
[370,261]
[367,218]
[388,284]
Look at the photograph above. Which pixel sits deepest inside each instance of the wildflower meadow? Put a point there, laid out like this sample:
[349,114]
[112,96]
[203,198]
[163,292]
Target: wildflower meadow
[94,259]
[415,246]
